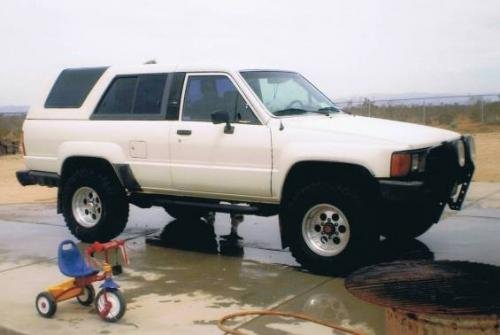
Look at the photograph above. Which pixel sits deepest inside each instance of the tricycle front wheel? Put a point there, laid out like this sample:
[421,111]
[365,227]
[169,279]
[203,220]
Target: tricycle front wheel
[46,304]
[110,304]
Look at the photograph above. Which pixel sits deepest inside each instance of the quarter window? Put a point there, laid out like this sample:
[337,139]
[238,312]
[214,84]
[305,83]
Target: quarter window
[209,94]
[72,87]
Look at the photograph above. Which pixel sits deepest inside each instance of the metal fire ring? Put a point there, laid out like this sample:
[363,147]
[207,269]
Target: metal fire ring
[430,287]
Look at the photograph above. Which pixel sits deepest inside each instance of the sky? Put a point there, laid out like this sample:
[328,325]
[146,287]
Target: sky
[347,48]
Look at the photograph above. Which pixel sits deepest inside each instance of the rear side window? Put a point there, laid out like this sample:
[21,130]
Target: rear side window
[72,87]
[149,94]
[119,97]
[133,97]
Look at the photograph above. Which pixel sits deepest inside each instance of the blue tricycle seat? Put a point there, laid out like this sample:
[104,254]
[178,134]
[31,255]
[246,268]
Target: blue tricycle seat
[71,263]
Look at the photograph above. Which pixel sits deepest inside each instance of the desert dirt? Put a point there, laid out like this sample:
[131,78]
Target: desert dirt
[487,169]
[12,192]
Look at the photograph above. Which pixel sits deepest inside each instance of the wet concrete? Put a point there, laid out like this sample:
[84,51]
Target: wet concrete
[187,276]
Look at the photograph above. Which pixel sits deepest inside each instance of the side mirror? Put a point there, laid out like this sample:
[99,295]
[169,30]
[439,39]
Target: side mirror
[222,117]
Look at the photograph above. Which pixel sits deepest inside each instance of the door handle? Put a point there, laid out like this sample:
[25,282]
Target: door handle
[184,132]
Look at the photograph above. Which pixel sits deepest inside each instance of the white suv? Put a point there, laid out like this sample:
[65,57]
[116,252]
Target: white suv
[259,142]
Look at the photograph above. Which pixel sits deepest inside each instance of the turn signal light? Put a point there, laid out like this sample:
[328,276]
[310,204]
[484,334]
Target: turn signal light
[400,164]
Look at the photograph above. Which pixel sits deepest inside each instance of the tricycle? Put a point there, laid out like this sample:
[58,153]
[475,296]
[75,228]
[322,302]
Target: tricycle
[109,301]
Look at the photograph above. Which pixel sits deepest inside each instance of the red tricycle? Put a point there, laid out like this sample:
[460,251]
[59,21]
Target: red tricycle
[109,301]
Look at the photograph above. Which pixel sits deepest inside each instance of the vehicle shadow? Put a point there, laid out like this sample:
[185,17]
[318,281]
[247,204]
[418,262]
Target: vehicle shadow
[199,236]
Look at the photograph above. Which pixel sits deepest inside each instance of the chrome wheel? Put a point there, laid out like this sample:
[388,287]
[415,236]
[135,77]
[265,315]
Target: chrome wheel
[326,230]
[87,207]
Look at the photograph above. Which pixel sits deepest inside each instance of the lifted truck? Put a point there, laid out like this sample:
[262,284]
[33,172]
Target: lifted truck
[259,142]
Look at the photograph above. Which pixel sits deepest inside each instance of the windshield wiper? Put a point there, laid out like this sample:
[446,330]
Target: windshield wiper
[330,108]
[291,111]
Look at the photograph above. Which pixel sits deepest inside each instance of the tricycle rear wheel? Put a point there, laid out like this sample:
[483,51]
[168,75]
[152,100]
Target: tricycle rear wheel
[46,305]
[87,296]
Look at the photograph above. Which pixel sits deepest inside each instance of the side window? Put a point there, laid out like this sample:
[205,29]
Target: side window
[209,94]
[119,97]
[149,94]
[134,97]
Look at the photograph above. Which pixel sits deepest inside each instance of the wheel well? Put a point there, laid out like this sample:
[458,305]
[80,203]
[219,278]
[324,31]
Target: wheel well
[71,164]
[303,173]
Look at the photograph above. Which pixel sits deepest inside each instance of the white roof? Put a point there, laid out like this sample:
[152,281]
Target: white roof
[155,68]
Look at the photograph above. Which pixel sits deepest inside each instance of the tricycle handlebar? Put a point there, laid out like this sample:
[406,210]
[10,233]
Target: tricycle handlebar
[105,247]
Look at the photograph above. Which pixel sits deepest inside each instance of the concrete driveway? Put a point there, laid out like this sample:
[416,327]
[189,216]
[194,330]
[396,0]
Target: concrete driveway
[186,277]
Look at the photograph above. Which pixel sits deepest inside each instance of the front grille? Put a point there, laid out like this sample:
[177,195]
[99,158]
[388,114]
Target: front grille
[442,170]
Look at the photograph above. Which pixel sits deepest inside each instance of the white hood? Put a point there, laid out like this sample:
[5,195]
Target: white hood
[412,135]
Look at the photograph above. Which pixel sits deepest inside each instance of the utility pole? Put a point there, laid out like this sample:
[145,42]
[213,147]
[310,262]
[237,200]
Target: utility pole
[482,110]
[423,113]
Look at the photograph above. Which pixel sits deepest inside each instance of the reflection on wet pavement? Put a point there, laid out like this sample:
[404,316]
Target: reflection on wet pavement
[199,235]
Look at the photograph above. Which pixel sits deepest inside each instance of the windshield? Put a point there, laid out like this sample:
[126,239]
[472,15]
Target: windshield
[288,93]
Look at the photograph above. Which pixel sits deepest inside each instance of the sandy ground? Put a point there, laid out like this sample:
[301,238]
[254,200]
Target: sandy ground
[487,157]
[12,192]
[488,169]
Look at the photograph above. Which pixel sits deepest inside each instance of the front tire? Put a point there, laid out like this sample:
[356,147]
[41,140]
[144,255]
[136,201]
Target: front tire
[94,205]
[405,222]
[327,228]
[117,303]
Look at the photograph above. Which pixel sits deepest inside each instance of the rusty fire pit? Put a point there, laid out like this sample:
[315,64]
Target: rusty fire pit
[432,297]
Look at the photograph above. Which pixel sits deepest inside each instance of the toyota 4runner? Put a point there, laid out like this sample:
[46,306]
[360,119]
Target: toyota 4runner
[259,142]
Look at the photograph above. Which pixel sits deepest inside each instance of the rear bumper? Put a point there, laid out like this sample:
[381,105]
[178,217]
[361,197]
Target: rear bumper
[29,177]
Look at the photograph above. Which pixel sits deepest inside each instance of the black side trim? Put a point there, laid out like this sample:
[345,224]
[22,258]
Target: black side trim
[29,177]
[127,177]
[148,200]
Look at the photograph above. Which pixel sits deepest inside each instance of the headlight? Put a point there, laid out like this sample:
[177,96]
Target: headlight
[406,162]
[461,152]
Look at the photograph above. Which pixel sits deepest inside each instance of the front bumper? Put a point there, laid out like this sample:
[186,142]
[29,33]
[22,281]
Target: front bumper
[445,182]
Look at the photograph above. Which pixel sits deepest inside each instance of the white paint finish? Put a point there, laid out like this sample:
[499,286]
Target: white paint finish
[249,165]
[49,139]
[211,161]
[138,149]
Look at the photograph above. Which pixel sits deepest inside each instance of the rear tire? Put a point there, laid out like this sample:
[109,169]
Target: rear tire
[94,205]
[327,228]
[46,305]
[87,297]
